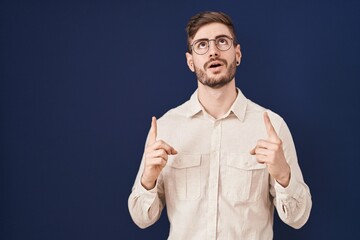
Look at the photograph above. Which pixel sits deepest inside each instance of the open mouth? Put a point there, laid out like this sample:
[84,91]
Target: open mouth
[215,64]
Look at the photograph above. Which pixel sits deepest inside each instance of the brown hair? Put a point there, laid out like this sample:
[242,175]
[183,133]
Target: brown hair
[203,18]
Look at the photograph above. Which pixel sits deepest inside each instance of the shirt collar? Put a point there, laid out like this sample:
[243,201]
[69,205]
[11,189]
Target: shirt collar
[194,105]
[238,107]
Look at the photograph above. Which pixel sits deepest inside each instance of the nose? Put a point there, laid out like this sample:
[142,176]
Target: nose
[213,50]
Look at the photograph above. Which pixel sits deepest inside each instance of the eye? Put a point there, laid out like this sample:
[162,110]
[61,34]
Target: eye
[222,41]
[201,45]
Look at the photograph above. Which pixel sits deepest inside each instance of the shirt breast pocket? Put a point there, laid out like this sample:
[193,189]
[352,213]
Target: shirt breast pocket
[186,173]
[244,177]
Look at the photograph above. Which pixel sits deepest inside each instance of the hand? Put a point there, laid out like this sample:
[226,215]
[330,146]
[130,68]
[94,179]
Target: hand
[156,156]
[270,152]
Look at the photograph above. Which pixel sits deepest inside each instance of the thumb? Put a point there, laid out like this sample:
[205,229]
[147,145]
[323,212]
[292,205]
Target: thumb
[252,151]
[153,131]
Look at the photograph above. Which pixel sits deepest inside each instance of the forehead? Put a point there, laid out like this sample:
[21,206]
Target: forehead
[212,30]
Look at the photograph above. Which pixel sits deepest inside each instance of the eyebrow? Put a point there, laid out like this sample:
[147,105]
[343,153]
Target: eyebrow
[206,39]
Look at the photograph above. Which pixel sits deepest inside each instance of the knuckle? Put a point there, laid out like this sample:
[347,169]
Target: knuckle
[163,152]
[163,163]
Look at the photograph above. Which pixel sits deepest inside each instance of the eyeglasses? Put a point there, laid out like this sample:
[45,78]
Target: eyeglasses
[201,46]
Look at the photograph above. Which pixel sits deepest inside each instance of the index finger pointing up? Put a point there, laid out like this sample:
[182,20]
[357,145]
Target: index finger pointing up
[153,131]
[270,128]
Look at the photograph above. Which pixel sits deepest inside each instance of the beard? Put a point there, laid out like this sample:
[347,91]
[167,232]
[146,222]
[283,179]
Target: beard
[219,80]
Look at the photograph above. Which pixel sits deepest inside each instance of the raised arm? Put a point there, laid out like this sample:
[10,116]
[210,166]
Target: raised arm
[147,199]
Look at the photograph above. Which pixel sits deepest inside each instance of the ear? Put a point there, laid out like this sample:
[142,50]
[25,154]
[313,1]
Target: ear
[238,54]
[189,61]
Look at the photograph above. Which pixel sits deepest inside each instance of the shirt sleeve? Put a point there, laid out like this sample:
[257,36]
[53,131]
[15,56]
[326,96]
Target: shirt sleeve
[145,206]
[293,203]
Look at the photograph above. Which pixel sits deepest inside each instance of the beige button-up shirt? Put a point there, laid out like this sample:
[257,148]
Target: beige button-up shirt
[213,188]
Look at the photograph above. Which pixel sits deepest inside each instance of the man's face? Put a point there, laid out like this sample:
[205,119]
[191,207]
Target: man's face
[215,68]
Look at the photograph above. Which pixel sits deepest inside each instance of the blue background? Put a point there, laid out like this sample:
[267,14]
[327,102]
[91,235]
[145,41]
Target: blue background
[80,81]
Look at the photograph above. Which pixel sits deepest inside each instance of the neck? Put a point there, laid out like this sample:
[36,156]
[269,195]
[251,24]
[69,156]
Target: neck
[217,101]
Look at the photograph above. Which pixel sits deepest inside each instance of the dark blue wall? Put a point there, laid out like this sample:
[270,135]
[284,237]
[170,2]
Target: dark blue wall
[80,80]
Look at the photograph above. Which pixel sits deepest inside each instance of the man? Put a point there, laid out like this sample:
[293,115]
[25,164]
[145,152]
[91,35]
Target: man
[219,162]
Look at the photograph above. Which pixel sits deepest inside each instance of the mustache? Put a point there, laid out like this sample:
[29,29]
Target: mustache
[213,60]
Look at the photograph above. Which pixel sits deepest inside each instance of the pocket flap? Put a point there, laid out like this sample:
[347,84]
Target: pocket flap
[184,160]
[244,161]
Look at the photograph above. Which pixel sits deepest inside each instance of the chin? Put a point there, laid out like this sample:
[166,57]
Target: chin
[217,84]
